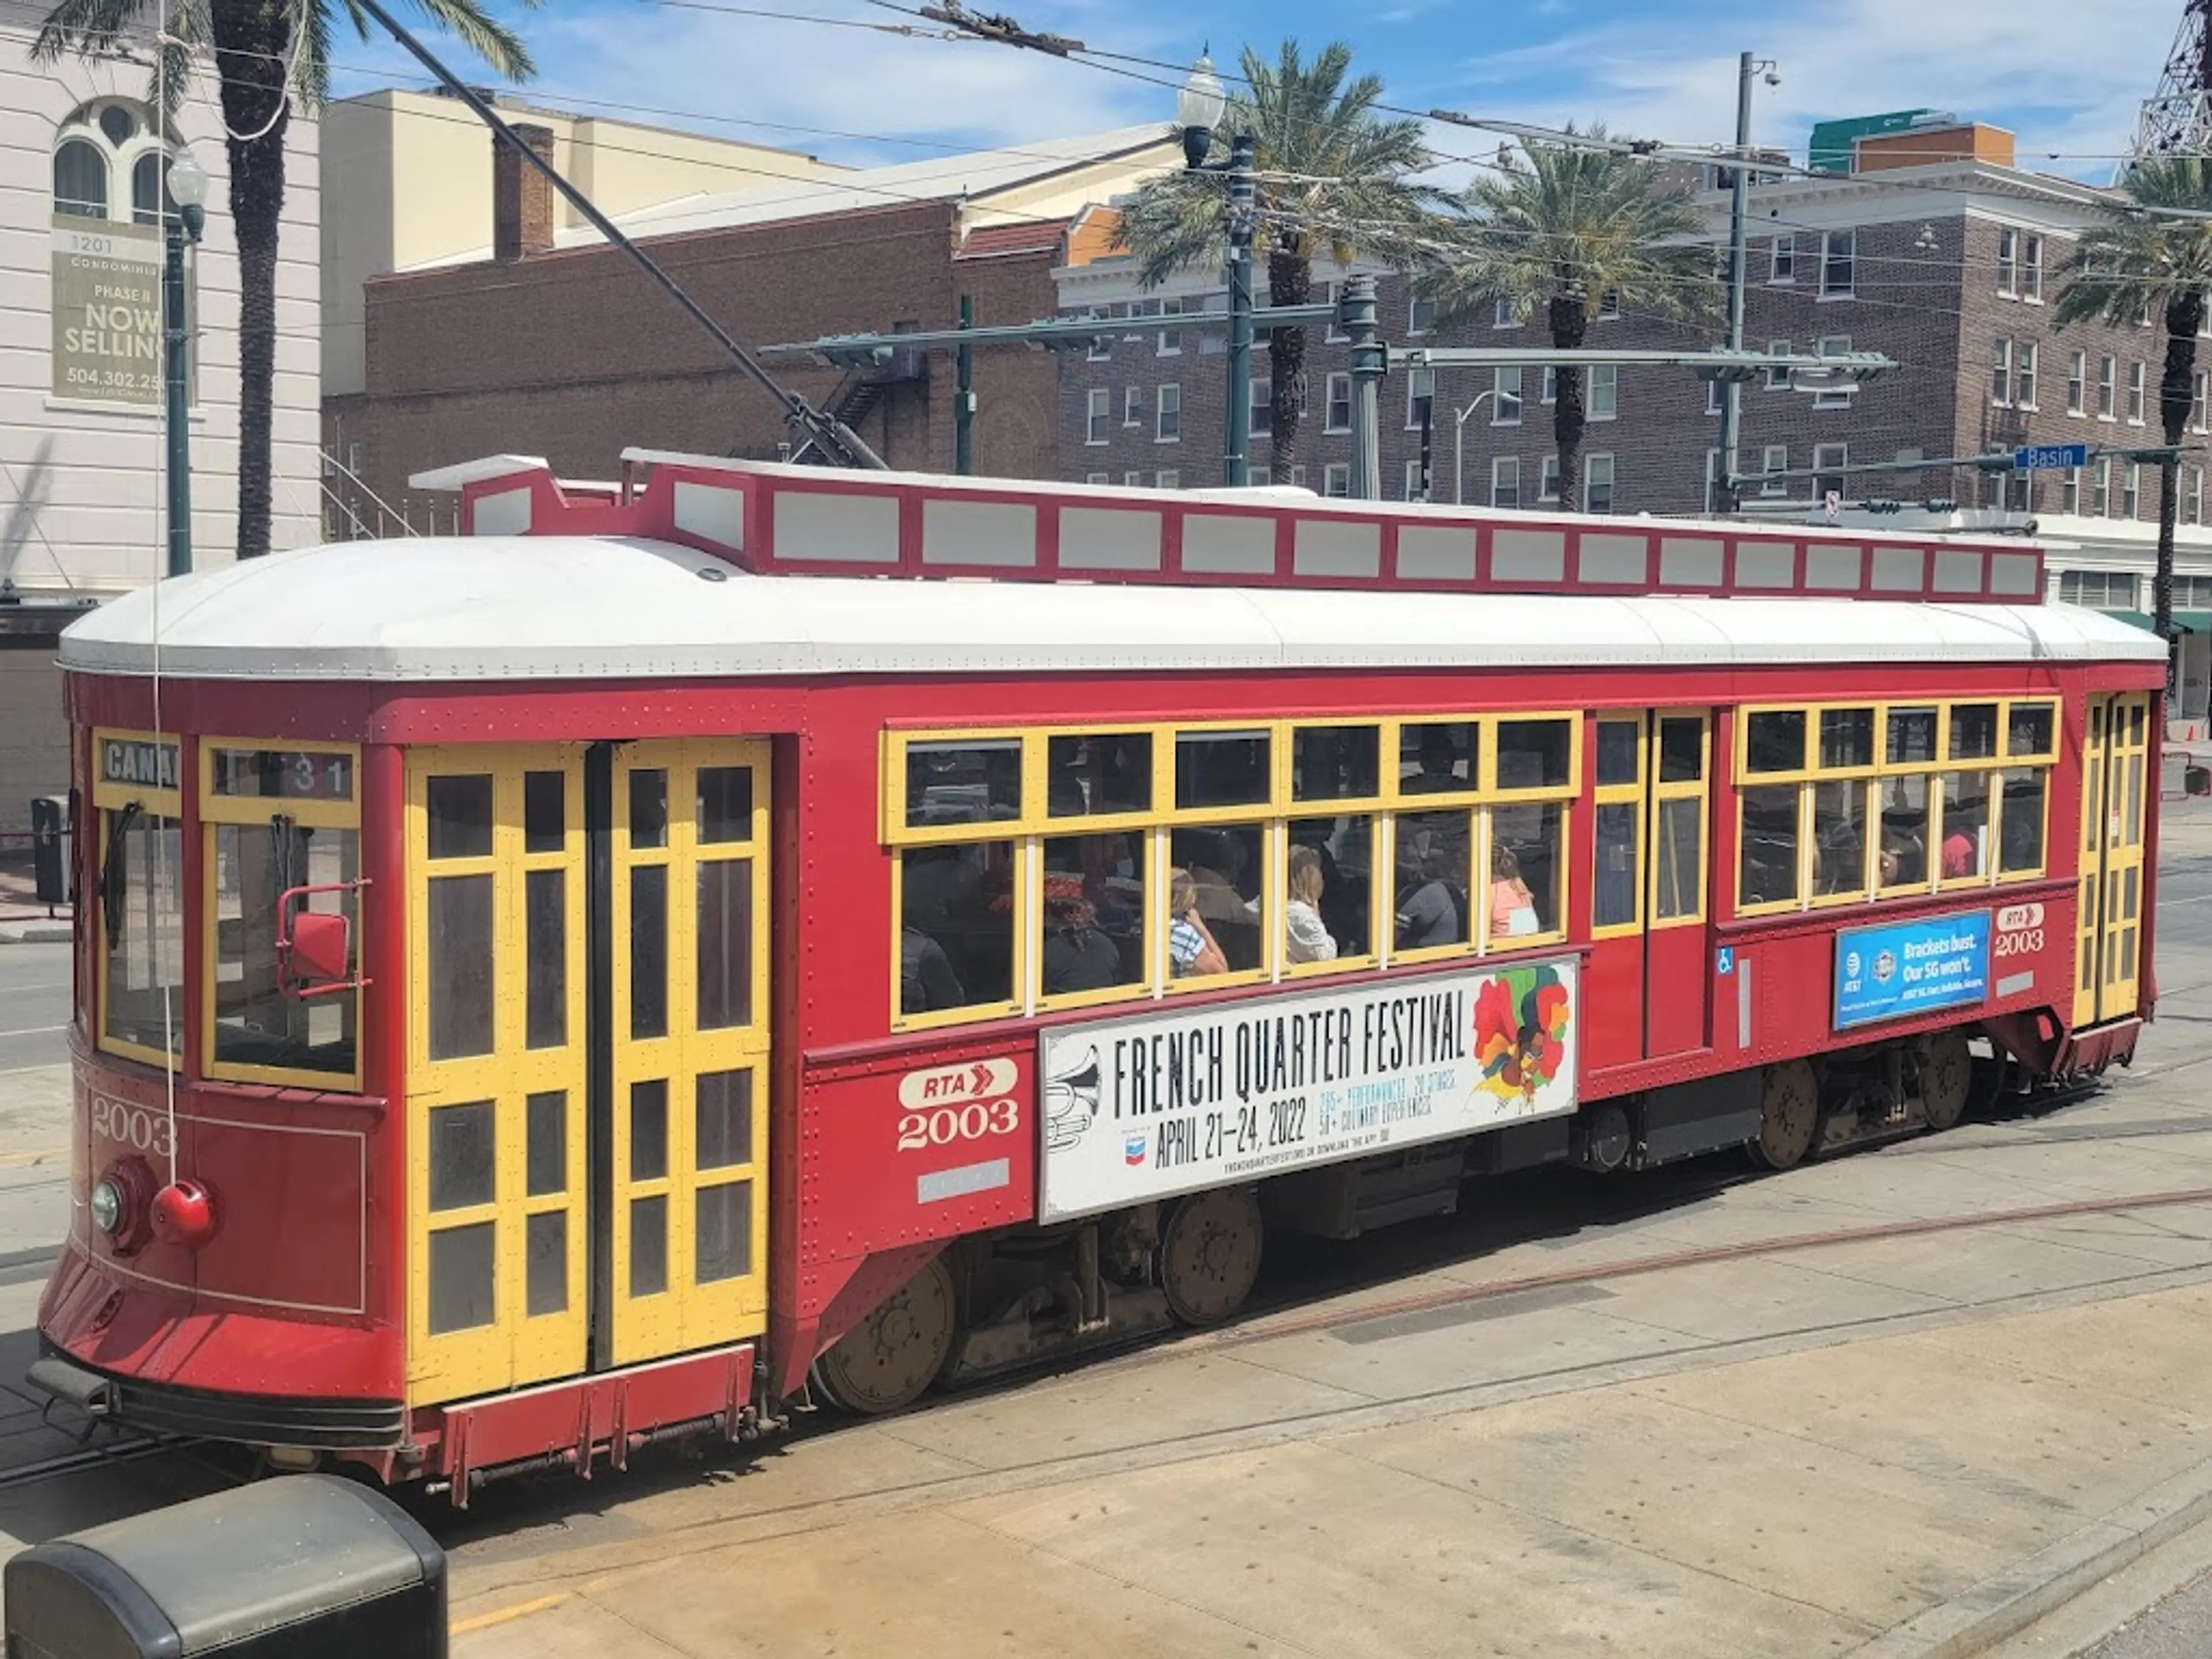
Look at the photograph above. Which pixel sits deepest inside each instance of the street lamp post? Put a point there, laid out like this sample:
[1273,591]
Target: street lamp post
[1200,103]
[188,189]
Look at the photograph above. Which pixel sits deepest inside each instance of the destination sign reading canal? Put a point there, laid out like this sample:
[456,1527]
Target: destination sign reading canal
[134,760]
[1147,1107]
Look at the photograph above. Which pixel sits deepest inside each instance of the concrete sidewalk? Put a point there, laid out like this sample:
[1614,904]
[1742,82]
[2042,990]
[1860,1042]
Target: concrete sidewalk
[1888,1446]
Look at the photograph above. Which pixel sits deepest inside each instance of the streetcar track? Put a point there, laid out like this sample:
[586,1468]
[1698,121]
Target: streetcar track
[84,1461]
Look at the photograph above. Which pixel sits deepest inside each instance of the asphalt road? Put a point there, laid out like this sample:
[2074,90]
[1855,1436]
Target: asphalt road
[2179,1627]
[34,1005]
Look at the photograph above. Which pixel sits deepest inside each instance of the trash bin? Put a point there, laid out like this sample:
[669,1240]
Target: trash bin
[2196,780]
[50,828]
[304,1566]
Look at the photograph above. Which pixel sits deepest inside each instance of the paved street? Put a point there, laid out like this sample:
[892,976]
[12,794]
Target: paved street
[34,1005]
[1876,1405]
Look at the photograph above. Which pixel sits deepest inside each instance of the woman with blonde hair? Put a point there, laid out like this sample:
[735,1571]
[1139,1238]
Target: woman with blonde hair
[1306,939]
[1512,906]
[1191,949]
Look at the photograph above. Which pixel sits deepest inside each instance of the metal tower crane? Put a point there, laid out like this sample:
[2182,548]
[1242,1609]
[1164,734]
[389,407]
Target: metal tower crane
[2177,119]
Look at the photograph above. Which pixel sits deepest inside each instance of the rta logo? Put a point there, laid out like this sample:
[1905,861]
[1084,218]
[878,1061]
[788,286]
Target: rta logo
[134,1126]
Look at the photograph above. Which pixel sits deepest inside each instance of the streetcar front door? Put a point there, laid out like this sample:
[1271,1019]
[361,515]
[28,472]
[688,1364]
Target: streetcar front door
[587,1094]
[1650,921]
[2115,796]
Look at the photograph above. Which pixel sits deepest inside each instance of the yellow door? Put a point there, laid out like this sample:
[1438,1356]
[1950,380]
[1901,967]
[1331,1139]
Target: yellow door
[496,1078]
[688,1190]
[2115,798]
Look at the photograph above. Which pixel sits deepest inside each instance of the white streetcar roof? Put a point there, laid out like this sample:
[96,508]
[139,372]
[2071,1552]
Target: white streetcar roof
[574,607]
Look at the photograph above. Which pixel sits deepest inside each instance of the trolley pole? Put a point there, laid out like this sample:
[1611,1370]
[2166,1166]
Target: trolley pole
[963,397]
[1739,191]
[1370,361]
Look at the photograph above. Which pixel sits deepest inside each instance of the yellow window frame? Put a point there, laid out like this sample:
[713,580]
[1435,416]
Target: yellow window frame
[896,832]
[1273,853]
[1380,913]
[1635,793]
[154,802]
[1478,841]
[1027,887]
[1745,777]
[1165,809]
[240,810]
[1395,796]
[1569,790]
[1869,784]
[1084,823]
[1152,843]
[1698,789]
[1286,770]
[1802,788]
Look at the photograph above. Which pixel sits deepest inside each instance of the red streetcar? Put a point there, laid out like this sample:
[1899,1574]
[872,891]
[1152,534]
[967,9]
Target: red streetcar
[572,983]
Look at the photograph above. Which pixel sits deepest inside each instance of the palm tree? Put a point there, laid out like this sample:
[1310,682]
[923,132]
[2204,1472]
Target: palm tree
[267,54]
[1576,227]
[2121,270]
[1334,177]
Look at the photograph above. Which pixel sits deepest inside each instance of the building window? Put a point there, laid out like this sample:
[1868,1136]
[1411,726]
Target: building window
[1505,481]
[1258,477]
[1548,481]
[1505,406]
[1714,394]
[1782,265]
[2101,487]
[1773,459]
[1829,460]
[1132,406]
[2100,589]
[1550,390]
[1605,390]
[1101,347]
[2107,381]
[2132,491]
[1169,428]
[1420,314]
[1420,399]
[1608,305]
[1336,480]
[1297,478]
[1501,314]
[2197,384]
[2000,373]
[1336,411]
[2031,268]
[1167,478]
[1134,480]
[1838,263]
[1597,484]
[1263,408]
[1777,380]
[2023,375]
[80,179]
[1413,480]
[2008,264]
[1101,411]
[1839,396]
[2069,490]
[1171,338]
[2135,394]
[1333,293]
[1098,478]
[2192,502]
[2077,390]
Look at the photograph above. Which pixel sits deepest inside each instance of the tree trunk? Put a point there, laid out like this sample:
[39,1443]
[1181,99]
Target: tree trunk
[1290,282]
[1568,325]
[252,40]
[2177,387]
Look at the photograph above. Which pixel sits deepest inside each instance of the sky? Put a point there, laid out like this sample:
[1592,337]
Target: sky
[2065,77]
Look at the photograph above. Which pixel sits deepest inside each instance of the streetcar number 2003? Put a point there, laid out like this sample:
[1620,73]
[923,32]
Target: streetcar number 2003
[2025,944]
[919,1131]
[130,1125]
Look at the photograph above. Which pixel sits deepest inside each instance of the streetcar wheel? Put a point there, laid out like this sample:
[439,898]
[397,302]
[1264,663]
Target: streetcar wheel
[1209,1254]
[1789,1115]
[1947,1079]
[886,1361]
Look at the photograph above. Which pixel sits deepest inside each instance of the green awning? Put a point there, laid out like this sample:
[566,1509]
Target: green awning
[2187,622]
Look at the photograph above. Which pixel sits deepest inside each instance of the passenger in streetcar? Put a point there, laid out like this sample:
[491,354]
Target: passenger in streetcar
[1078,957]
[1432,908]
[1305,937]
[1512,906]
[1192,952]
[926,982]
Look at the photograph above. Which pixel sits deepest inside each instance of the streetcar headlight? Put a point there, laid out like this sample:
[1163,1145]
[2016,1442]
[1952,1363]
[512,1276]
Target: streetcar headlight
[107,1206]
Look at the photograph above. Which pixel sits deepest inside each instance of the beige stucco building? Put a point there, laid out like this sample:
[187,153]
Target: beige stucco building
[81,485]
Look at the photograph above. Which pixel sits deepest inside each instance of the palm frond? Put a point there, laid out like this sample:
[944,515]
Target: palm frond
[2136,261]
[482,34]
[86,27]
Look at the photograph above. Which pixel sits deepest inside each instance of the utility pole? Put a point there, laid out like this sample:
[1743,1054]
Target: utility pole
[1739,192]
[964,396]
[1370,361]
[1243,216]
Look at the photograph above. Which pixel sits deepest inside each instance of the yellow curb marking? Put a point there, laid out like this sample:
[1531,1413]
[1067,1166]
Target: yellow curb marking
[501,1615]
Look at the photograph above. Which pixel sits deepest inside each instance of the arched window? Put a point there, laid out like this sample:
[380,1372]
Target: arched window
[101,145]
[81,179]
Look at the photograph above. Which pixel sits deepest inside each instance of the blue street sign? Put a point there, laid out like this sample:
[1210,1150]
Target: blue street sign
[2050,458]
[1911,968]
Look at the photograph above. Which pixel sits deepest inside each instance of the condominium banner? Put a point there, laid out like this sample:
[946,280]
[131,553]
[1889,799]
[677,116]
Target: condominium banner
[1168,1102]
[108,312]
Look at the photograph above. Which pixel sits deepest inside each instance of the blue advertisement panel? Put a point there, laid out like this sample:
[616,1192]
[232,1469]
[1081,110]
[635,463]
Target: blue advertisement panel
[1909,967]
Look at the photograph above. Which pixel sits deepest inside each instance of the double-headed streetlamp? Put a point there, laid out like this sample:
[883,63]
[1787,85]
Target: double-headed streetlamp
[1199,105]
[188,189]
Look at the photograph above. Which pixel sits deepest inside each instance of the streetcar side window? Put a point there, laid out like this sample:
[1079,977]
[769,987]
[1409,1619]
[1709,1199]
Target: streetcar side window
[1898,800]
[139,896]
[282,837]
[956,921]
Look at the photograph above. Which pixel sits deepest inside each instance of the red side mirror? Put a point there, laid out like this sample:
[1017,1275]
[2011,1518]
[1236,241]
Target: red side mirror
[322,947]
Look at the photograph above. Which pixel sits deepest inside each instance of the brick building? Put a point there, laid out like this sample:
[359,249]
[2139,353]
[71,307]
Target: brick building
[1935,250]
[549,342]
